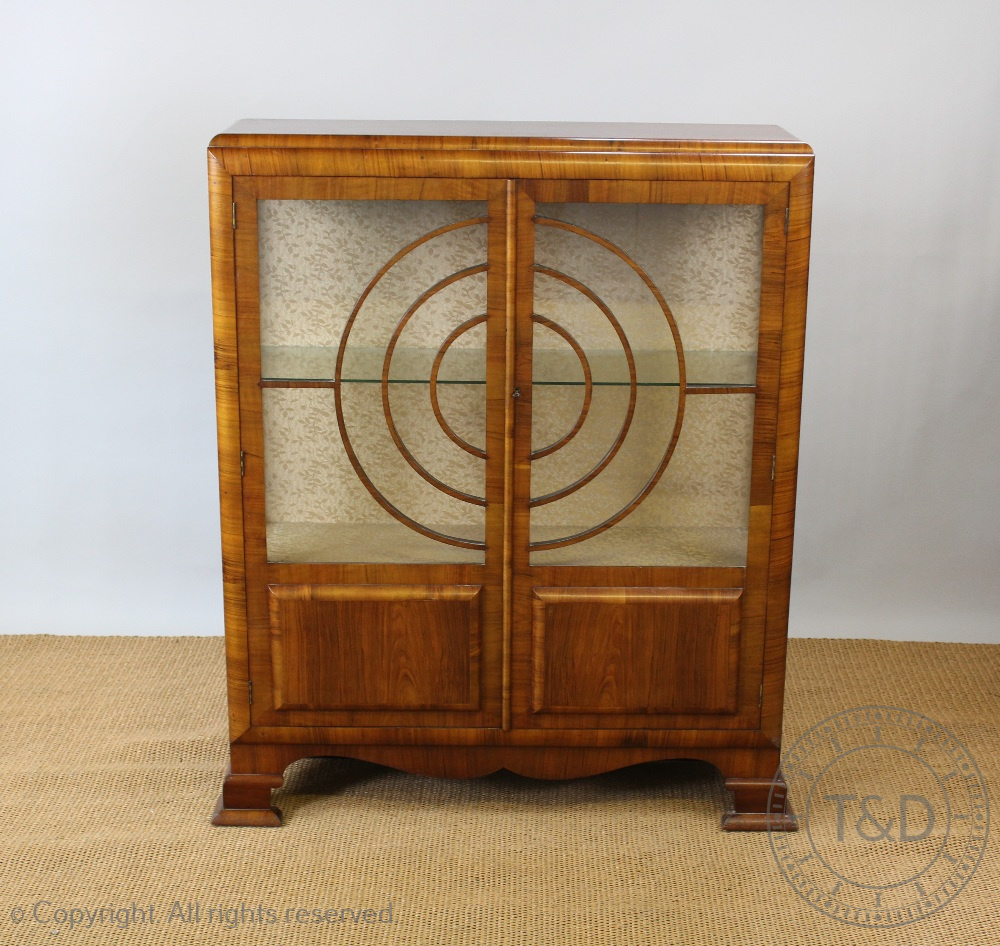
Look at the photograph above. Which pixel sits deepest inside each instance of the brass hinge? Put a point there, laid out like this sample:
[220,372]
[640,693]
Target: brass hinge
[243,465]
[250,690]
[774,462]
[786,218]
[234,218]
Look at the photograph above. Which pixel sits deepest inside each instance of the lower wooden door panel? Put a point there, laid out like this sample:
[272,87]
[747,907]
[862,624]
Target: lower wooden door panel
[632,655]
[634,650]
[369,654]
[627,658]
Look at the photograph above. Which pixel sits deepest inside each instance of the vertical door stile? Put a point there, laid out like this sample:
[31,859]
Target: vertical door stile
[510,336]
[499,422]
[519,581]
[247,274]
[775,239]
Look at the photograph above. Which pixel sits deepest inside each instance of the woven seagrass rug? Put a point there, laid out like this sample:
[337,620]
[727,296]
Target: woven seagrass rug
[112,752]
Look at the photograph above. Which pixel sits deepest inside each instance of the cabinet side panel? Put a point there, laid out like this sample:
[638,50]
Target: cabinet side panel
[228,420]
[376,647]
[635,650]
[787,449]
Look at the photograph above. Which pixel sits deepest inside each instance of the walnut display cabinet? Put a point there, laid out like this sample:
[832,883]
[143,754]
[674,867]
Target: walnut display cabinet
[508,426]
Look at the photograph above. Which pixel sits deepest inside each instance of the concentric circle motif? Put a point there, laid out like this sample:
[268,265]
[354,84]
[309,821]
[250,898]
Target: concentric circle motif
[379,497]
[609,455]
[386,369]
[552,325]
[893,817]
[588,387]
[435,374]
[612,451]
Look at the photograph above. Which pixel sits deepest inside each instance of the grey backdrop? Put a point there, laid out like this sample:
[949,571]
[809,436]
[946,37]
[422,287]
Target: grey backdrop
[108,499]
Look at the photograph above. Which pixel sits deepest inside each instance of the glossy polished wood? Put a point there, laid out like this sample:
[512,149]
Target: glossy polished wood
[635,652]
[246,801]
[227,386]
[380,633]
[459,670]
[759,804]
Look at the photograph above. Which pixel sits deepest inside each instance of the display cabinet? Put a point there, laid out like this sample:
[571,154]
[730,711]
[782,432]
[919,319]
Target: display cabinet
[508,423]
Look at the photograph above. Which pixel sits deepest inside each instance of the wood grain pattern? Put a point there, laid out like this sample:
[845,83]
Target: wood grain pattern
[227,402]
[507,409]
[635,651]
[554,762]
[376,647]
[755,611]
[690,737]
[460,670]
[787,449]
[669,165]
[520,603]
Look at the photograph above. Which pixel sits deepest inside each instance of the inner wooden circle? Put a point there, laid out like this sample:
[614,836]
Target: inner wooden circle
[588,389]
[435,372]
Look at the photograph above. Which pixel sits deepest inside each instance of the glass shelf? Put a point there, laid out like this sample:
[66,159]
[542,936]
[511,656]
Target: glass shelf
[550,367]
[364,365]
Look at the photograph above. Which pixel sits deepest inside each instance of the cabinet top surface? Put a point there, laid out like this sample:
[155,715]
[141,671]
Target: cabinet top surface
[293,133]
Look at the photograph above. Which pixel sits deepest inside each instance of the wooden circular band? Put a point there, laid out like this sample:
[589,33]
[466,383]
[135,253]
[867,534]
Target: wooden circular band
[587,380]
[633,389]
[386,408]
[338,392]
[435,368]
[682,381]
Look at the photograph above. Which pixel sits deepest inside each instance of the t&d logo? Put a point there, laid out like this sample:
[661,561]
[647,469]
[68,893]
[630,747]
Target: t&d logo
[892,812]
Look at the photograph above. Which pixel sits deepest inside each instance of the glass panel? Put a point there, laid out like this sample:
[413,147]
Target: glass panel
[695,515]
[704,368]
[361,365]
[644,370]
[357,469]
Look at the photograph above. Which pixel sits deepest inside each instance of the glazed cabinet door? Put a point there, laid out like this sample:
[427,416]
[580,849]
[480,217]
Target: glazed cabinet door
[648,326]
[371,319]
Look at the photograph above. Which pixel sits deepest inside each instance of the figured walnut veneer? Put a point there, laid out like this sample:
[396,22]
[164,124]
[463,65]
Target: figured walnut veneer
[408,647]
[386,597]
[639,652]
